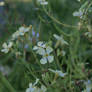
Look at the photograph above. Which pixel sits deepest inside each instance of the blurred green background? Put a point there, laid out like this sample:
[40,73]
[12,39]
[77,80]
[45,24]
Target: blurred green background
[21,12]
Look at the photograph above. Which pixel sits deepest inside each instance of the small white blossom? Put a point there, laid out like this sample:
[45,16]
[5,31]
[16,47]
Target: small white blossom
[89,34]
[21,32]
[58,72]
[42,2]
[2,3]
[6,47]
[34,88]
[79,0]
[44,51]
[15,35]
[61,39]
[78,13]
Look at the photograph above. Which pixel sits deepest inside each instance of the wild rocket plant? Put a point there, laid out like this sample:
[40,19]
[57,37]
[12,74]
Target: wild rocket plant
[62,62]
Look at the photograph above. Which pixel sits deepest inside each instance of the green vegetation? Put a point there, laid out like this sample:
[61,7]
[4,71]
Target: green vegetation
[47,46]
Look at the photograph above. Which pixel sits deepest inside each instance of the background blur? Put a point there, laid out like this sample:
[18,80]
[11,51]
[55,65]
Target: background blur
[19,12]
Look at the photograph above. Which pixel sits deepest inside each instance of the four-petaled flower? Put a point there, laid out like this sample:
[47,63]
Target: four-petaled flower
[44,50]
[21,32]
[6,47]
[60,40]
[58,72]
[34,88]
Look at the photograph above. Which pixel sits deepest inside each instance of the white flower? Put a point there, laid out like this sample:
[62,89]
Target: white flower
[6,47]
[89,34]
[44,51]
[31,88]
[79,0]
[41,44]
[60,39]
[2,3]
[42,2]
[57,72]
[34,88]
[15,35]
[21,32]
[78,13]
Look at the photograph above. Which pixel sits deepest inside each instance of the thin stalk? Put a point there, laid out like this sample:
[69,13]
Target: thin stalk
[5,82]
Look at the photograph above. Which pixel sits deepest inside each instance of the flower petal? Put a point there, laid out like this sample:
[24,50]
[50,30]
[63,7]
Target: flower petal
[30,85]
[10,44]
[50,59]
[43,60]
[63,42]
[36,82]
[5,50]
[60,73]
[56,36]
[78,13]
[40,44]
[44,3]
[35,48]
[49,50]
[21,28]
[4,45]
[41,51]
[26,29]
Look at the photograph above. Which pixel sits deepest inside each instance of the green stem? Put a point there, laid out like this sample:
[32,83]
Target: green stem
[6,83]
[59,22]
[57,61]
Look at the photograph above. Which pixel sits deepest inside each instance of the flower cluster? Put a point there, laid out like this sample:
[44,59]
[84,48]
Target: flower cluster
[44,50]
[34,88]
[21,32]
